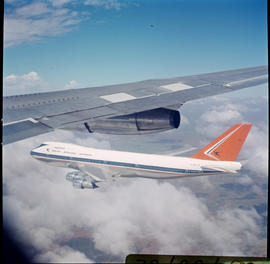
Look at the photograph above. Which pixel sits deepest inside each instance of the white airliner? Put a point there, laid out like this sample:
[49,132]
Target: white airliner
[216,158]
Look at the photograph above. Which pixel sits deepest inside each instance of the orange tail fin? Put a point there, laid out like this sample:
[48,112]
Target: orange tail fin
[227,146]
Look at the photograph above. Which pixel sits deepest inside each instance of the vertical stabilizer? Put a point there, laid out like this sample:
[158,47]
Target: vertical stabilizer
[227,146]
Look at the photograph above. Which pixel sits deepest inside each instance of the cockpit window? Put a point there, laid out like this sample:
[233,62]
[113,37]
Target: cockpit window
[42,145]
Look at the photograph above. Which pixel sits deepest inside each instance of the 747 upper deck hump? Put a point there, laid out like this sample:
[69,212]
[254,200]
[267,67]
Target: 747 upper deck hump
[218,157]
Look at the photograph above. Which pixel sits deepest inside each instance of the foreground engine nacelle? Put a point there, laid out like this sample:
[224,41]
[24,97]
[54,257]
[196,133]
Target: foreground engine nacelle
[152,121]
[84,184]
[80,181]
[73,175]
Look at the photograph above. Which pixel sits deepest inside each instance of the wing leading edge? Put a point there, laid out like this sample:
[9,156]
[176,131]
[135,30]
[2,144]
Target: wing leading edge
[30,115]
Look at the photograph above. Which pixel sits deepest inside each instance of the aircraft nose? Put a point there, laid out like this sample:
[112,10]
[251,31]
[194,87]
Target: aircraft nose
[35,150]
[32,152]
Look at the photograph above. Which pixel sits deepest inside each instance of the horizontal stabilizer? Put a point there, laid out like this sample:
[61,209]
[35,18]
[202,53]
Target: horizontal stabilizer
[218,169]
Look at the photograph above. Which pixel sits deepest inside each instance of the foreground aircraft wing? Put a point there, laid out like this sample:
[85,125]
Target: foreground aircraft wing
[33,114]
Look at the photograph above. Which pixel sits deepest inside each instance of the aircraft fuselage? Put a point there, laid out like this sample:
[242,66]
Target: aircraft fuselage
[129,164]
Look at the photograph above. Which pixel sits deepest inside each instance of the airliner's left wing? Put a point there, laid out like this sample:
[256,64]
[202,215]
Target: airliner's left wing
[132,108]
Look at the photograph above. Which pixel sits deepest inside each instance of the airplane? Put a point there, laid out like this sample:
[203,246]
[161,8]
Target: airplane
[143,107]
[218,157]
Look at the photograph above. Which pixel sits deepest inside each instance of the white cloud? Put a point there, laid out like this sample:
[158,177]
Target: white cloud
[134,215]
[245,180]
[184,120]
[120,217]
[34,21]
[226,115]
[37,20]
[62,255]
[255,151]
[26,83]
[72,84]
[59,2]
[107,4]
[33,9]
[220,117]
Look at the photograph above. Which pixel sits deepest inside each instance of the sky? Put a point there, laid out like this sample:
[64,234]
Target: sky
[56,45]
[70,44]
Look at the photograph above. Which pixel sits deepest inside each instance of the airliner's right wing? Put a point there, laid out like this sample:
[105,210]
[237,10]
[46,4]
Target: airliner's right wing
[101,109]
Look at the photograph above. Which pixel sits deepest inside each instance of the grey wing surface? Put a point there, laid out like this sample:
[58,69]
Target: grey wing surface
[33,114]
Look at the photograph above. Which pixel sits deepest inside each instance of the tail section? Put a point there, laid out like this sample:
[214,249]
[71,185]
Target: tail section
[227,146]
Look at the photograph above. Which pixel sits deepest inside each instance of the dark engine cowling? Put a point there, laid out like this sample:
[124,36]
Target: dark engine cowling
[73,175]
[84,184]
[80,181]
[152,121]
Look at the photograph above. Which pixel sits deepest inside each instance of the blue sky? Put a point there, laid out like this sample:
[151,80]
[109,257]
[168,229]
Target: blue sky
[102,42]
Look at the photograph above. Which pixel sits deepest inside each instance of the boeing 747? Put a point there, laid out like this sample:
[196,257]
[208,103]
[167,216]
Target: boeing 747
[216,158]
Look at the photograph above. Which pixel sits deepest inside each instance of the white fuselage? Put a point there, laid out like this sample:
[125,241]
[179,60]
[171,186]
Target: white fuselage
[128,164]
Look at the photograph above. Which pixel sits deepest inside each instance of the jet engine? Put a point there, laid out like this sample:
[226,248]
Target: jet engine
[152,121]
[73,175]
[80,181]
[84,184]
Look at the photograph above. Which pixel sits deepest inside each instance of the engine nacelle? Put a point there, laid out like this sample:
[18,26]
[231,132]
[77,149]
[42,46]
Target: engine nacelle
[72,175]
[84,184]
[152,121]
[80,181]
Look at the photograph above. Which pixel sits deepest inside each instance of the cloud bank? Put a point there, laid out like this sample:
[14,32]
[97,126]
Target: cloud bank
[123,216]
[36,20]
[28,22]
[220,117]
[23,84]
[72,84]
[130,215]
[107,4]
[139,215]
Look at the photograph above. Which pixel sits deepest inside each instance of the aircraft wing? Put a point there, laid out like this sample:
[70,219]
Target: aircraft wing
[33,114]
[84,174]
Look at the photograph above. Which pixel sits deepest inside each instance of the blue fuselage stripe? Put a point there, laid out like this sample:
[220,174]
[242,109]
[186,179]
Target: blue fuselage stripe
[119,164]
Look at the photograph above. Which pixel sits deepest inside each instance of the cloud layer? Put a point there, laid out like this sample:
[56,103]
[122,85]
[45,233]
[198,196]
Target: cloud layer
[219,117]
[23,84]
[107,4]
[33,21]
[28,22]
[123,216]
[134,215]
[72,84]
[31,82]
